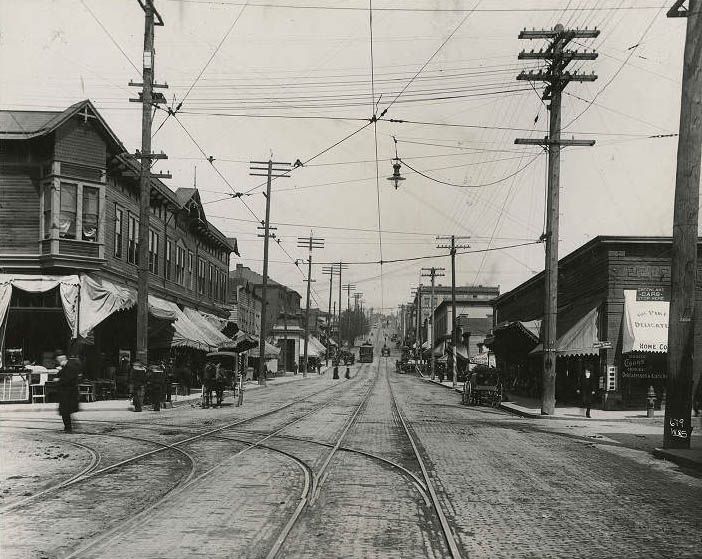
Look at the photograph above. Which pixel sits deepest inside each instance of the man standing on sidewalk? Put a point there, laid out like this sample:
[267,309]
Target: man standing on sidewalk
[587,391]
[68,379]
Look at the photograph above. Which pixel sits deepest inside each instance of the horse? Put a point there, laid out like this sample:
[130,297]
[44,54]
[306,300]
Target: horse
[207,379]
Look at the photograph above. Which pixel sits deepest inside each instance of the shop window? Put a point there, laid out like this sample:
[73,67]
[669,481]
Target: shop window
[133,241]
[67,216]
[47,211]
[91,206]
[119,217]
[153,252]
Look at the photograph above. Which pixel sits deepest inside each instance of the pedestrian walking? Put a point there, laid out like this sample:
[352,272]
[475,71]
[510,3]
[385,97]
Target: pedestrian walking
[70,371]
[319,367]
[587,391]
[295,368]
[137,383]
[336,373]
[348,373]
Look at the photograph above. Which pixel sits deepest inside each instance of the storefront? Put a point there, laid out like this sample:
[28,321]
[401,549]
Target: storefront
[613,299]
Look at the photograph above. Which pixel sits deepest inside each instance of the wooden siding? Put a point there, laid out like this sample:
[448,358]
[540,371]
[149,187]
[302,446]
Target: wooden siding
[122,193]
[19,210]
[80,143]
[69,247]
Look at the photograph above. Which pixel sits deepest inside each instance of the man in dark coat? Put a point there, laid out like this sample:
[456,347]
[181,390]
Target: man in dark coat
[587,391]
[137,382]
[68,380]
[155,383]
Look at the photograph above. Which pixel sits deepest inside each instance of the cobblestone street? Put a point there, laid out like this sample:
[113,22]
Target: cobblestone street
[324,468]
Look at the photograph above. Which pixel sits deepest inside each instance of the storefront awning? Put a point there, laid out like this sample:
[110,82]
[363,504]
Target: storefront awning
[99,298]
[579,340]
[214,336]
[645,325]
[69,287]
[185,332]
[315,348]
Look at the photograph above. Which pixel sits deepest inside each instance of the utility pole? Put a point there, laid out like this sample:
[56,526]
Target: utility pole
[148,100]
[358,304]
[681,332]
[454,330]
[432,273]
[349,287]
[557,77]
[308,243]
[277,170]
[341,267]
[418,317]
[330,271]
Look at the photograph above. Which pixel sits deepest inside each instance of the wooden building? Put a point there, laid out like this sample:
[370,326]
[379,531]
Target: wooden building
[613,298]
[69,207]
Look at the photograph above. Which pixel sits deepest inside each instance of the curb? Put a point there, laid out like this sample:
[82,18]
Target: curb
[679,459]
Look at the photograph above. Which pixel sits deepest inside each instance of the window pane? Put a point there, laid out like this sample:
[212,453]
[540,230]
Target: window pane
[67,218]
[47,211]
[91,202]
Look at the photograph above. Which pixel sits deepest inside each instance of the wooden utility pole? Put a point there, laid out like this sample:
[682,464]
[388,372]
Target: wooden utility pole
[349,287]
[330,271]
[454,329]
[557,78]
[308,243]
[681,332]
[270,170]
[148,100]
[432,273]
[342,267]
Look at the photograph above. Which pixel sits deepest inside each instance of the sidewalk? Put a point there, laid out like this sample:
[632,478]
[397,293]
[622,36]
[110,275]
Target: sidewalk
[531,408]
[123,404]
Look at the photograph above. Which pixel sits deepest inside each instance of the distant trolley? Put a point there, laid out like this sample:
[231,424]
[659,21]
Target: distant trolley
[365,353]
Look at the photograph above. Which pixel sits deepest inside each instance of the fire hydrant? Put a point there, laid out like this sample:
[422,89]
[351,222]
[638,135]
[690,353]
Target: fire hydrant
[650,401]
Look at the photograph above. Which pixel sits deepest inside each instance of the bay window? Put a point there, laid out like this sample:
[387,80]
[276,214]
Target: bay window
[69,210]
[47,211]
[119,216]
[169,250]
[91,206]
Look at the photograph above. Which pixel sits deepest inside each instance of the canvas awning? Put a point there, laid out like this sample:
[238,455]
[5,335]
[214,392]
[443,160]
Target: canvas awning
[315,348]
[69,288]
[440,349]
[645,324]
[99,298]
[579,339]
[214,336]
[185,332]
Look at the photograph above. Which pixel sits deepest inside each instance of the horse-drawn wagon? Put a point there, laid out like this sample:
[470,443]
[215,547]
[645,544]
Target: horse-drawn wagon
[483,386]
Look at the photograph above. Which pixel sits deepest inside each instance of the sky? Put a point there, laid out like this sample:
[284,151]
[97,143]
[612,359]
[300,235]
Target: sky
[301,79]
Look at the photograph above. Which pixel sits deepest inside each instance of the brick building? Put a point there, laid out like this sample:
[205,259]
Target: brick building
[613,298]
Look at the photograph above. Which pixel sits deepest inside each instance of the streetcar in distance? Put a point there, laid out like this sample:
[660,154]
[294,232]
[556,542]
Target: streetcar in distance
[365,353]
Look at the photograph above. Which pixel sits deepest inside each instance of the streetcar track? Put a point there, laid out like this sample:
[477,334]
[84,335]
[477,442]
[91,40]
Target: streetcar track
[443,521]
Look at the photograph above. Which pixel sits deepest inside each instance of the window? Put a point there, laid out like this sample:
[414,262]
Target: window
[153,252]
[69,205]
[169,250]
[180,266]
[191,275]
[47,211]
[119,216]
[209,283]
[133,241]
[91,207]
[201,276]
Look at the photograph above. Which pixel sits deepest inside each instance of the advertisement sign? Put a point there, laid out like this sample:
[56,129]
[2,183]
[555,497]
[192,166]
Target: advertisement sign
[642,366]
